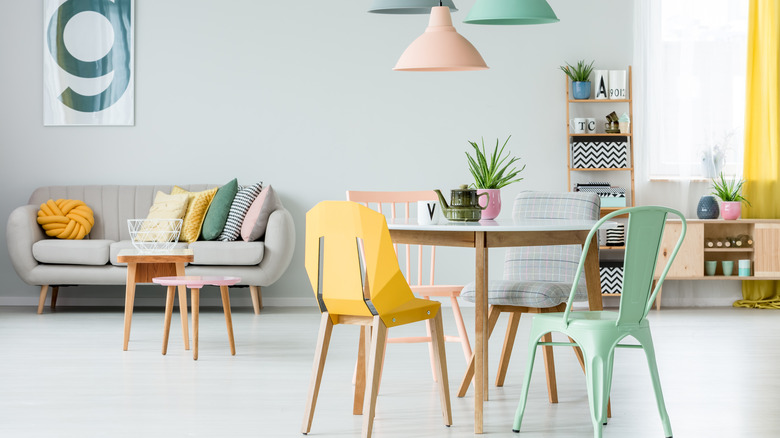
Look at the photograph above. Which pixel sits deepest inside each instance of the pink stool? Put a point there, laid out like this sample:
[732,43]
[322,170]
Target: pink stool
[195,283]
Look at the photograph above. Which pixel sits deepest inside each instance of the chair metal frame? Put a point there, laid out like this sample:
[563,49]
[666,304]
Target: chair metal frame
[598,333]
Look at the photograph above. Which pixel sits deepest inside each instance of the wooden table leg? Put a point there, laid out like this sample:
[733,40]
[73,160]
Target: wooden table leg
[480,343]
[168,315]
[129,301]
[185,330]
[592,277]
[228,317]
[195,315]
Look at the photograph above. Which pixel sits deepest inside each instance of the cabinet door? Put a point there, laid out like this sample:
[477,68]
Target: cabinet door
[766,238]
[689,262]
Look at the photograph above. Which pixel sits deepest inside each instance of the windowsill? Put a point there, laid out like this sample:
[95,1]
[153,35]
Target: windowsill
[680,178]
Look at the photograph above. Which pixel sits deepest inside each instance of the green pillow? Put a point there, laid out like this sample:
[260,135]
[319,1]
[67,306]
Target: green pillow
[218,210]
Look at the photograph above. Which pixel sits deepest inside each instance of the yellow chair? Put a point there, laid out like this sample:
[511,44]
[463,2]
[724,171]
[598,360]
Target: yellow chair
[355,276]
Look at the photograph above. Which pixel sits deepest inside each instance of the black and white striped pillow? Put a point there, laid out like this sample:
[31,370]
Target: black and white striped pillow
[238,209]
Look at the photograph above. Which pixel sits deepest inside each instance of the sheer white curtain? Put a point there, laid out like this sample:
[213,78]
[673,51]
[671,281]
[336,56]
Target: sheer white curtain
[689,89]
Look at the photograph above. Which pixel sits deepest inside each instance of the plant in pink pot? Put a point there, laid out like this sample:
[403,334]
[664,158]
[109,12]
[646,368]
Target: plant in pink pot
[491,173]
[729,193]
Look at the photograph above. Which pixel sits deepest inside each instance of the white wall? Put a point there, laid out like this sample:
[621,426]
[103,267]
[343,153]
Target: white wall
[301,95]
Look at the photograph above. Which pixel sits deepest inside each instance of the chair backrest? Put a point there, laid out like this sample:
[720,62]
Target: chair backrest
[397,205]
[550,263]
[350,261]
[644,232]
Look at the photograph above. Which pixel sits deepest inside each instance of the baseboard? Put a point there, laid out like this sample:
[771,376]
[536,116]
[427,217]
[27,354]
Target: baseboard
[235,301]
[670,299]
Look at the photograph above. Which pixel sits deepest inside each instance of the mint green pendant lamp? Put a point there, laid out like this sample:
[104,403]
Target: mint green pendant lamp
[511,12]
[408,6]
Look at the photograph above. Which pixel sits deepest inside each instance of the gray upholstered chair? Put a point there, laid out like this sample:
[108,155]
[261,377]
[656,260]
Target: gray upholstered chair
[537,279]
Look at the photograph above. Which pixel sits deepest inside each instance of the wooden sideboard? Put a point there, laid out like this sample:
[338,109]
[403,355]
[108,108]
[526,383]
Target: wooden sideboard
[764,253]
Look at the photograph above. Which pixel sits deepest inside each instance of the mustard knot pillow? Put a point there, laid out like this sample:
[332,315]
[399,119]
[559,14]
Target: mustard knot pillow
[66,218]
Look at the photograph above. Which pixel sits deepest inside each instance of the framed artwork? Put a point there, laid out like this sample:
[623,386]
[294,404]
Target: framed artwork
[88,62]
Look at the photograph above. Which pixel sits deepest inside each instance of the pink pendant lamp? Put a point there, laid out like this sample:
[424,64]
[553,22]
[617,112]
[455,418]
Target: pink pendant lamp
[440,48]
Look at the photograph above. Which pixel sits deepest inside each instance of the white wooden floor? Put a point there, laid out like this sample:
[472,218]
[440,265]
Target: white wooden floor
[64,374]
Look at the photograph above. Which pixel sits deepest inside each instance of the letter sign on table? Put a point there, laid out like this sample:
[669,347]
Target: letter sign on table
[88,62]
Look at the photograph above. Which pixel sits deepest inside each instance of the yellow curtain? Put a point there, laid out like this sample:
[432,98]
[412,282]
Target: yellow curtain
[762,141]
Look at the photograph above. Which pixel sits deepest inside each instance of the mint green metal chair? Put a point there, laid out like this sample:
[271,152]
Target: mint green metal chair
[598,333]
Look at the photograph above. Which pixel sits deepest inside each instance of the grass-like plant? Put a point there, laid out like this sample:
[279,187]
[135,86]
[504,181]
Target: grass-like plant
[728,191]
[493,172]
[580,73]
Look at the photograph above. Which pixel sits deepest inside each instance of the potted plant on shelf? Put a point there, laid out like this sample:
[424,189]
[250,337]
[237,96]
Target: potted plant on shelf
[729,193]
[580,78]
[491,173]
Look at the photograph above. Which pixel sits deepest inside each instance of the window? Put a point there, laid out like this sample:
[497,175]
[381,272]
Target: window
[692,55]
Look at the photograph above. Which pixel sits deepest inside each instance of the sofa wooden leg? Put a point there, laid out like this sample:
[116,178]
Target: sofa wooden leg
[55,290]
[257,298]
[42,298]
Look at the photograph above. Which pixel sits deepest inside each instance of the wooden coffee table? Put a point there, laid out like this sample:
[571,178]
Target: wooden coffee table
[142,267]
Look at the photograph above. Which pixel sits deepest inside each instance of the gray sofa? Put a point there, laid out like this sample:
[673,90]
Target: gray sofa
[45,262]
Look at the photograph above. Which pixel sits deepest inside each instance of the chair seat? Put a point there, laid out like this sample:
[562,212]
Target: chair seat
[540,294]
[438,290]
[416,309]
[593,320]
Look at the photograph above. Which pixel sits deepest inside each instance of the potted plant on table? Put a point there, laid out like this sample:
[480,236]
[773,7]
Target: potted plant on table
[491,173]
[580,78]
[729,193]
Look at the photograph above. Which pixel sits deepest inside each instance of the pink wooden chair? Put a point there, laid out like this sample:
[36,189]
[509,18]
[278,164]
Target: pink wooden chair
[398,203]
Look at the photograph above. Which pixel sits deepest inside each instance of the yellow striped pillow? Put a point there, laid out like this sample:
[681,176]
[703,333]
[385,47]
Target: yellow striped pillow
[196,212]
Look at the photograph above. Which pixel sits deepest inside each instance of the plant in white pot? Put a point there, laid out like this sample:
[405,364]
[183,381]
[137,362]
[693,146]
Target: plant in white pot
[730,194]
[491,173]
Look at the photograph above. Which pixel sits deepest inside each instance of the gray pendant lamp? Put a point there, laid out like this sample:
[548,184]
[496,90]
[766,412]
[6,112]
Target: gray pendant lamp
[511,12]
[407,6]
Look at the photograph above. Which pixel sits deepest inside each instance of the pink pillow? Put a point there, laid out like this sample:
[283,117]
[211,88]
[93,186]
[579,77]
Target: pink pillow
[256,218]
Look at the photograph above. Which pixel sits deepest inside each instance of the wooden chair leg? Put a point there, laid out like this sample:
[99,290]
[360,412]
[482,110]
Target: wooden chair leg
[360,372]
[55,290]
[168,314]
[195,319]
[462,332]
[228,317]
[257,298]
[549,368]
[436,328]
[320,353]
[506,351]
[42,297]
[468,376]
[549,361]
[378,342]
[431,354]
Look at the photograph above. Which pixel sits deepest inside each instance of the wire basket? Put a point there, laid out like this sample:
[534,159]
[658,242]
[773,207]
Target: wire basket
[154,235]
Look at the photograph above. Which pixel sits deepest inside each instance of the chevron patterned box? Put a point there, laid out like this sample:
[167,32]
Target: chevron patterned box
[611,273]
[599,152]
